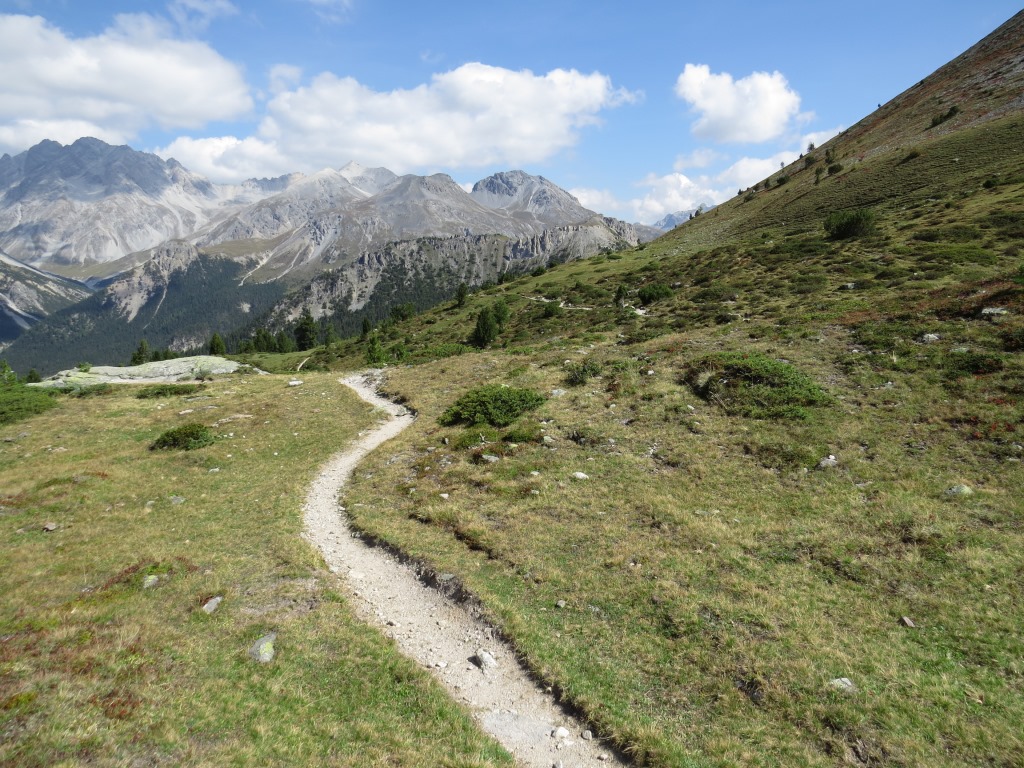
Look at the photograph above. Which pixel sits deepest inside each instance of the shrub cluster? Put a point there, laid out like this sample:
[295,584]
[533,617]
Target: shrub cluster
[844,224]
[187,437]
[168,390]
[491,404]
[17,401]
[653,292]
[755,385]
[577,374]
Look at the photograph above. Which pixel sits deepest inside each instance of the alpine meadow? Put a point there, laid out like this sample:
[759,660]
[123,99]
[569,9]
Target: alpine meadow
[743,492]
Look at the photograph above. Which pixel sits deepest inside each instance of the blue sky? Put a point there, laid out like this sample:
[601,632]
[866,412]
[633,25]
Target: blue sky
[640,109]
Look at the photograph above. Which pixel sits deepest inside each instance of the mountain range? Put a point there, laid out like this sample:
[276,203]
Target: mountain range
[110,236]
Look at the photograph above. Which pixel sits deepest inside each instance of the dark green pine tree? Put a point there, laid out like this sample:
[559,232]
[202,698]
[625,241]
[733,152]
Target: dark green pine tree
[486,329]
[217,346]
[461,295]
[307,331]
[142,354]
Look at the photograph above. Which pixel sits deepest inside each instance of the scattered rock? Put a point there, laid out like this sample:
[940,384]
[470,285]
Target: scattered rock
[177,499]
[587,735]
[490,458]
[484,659]
[843,685]
[848,287]
[960,490]
[444,496]
[560,733]
[560,604]
[580,476]
[548,440]
[906,621]
[930,338]
[212,604]
[994,313]
[50,527]
[150,581]
[557,392]
[263,649]
[828,461]
[295,383]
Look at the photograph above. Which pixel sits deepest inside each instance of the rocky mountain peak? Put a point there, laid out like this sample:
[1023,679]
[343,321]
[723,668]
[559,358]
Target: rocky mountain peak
[520,193]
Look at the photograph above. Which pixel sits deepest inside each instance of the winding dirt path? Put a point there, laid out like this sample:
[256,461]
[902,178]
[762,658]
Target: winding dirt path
[462,652]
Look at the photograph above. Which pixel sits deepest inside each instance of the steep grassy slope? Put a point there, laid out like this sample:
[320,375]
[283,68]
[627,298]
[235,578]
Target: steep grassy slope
[799,463]
[800,443]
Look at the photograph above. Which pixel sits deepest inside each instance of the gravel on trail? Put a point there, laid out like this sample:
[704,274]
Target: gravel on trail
[464,653]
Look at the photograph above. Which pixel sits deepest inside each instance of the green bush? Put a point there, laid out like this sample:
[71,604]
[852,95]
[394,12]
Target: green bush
[577,374]
[552,309]
[845,224]
[834,168]
[959,364]
[187,437]
[755,385]
[18,401]
[91,390]
[486,329]
[168,390]
[491,404]
[653,292]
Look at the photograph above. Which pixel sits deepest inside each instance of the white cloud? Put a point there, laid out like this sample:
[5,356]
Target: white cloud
[332,10]
[195,15]
[113,85]
[600,200]
[283,77]
[671,193]
[754,108]
[698,158]
[472,116]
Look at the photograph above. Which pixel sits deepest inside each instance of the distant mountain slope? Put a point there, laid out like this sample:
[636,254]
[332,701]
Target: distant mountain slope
[28,295]
[176,300]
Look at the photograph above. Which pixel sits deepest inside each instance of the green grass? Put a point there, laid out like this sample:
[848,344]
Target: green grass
[715,578]
[96,670]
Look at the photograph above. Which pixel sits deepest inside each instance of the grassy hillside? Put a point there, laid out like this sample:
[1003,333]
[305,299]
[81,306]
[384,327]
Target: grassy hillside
[768,512]
[97,669]
[717,574]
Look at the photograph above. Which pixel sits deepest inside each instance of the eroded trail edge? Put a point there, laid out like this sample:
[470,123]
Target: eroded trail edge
[462,652]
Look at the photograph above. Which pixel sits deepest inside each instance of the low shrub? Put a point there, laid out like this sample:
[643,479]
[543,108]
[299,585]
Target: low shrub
[577,374]
[187,437]
[840,225]
[491,404]
[91,390]
[834,168]
[653,292]
[552,309]
[154,391]
[755,385]
[958,364]
[19,402]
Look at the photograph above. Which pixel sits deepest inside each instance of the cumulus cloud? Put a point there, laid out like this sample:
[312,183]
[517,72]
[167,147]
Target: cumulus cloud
[475,115]
[698,158]
[671,193]
[600,200]
[753,109]
[134,75]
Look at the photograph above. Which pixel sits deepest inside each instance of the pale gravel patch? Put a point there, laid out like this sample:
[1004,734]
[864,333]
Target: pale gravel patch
[435,631]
